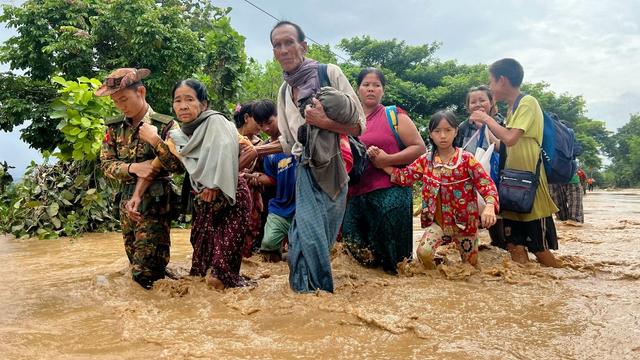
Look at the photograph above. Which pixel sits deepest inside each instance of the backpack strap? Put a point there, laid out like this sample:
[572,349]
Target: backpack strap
[392,117]
[517,102]
[323,75]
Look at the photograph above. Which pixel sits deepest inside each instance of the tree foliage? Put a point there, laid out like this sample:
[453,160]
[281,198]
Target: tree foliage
[625,153]
[26,100]
[80,114]
[175,39]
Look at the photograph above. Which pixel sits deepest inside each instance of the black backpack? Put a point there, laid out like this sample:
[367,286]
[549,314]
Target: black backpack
[358,149]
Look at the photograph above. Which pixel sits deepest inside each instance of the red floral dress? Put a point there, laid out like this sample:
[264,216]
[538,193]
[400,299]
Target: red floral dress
[449,195]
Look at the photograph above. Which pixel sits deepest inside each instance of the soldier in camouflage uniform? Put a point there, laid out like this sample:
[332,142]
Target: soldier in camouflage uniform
[125,157]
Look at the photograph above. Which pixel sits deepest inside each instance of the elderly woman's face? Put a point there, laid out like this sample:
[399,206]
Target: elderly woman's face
[186,104]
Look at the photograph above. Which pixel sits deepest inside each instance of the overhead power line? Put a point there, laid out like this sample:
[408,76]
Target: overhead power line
[310,39]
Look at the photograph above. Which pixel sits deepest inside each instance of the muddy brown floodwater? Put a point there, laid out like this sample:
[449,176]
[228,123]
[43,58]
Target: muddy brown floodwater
[73,299]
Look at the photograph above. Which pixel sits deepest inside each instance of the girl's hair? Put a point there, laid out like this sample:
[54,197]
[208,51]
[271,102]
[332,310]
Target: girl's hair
[201,90]
[489,94]
[366,71]
[436,119]
[242,110]
[263,110]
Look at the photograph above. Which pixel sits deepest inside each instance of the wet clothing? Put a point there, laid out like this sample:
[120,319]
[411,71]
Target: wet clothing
[524,155]
[219,227]
[312,234]
[322,146]
[275,231]
[210,154]
[377,227]
[217,238]
[536,235]
[318,214]
[147,242]
[449,190]
[378,133]
[433,238]
[568,198]
[282,168]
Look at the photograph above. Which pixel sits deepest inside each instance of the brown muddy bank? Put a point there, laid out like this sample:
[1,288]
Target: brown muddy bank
[73,299]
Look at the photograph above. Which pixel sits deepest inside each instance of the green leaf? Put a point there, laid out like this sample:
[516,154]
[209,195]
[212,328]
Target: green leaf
[91,191]
[77,155]
[52,210]
[59,80]
[74,131]
[32,204]
[56,223]
[67,195]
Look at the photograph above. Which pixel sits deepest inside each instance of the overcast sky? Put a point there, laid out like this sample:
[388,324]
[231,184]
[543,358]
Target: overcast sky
[589,48]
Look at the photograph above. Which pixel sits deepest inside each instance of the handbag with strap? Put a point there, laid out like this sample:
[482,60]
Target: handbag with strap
[517,190]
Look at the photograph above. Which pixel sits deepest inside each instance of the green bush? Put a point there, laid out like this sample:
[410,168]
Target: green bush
[62,199]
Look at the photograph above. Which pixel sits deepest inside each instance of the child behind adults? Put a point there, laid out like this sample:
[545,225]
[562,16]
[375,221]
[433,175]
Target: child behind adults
[534,231]
[279,171]
[480,98]
[450,178]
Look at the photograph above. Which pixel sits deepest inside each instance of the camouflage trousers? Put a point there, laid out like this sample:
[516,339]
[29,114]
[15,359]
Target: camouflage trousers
[147,245]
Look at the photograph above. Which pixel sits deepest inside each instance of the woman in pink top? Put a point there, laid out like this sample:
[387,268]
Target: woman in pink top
[377,227]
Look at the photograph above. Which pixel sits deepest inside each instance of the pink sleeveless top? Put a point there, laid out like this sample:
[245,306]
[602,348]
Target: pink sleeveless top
[377,133]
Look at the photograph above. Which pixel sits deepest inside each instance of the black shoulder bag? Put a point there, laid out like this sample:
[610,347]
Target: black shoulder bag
[517,190]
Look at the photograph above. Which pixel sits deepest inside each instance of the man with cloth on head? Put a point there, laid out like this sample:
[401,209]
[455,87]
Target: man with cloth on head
[312,122]
[124,157]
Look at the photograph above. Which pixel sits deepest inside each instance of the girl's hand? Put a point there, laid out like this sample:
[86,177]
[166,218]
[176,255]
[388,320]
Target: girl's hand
[372,152]
[380,160]
[479,116]
[149,134]
[488,216]
[208,195]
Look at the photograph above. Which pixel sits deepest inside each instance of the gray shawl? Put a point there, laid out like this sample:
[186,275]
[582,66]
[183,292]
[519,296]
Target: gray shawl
[210,155]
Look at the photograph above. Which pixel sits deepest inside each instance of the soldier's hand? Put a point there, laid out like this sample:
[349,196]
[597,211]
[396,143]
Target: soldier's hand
[144,169]
[132,208]
[149,134]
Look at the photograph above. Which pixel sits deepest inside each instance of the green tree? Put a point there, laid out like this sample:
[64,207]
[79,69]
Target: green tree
[322,53]
[175,39]
[625,152]
[261,81]
[26,100]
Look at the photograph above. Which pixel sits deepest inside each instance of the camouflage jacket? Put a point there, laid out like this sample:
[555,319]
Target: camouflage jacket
[122,145]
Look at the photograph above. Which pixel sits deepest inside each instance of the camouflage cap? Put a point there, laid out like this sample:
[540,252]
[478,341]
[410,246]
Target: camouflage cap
[120,79]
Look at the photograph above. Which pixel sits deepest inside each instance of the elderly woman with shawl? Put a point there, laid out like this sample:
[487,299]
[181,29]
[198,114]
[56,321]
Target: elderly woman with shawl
[207,145]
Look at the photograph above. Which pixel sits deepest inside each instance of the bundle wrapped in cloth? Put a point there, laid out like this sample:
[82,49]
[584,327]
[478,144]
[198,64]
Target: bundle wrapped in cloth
[322,147]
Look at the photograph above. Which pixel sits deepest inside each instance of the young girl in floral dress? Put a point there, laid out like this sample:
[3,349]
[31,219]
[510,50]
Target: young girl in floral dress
[450,178]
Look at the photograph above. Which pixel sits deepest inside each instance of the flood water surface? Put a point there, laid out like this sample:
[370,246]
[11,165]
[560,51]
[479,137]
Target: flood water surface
[73,299]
